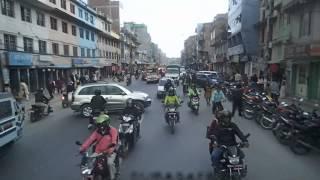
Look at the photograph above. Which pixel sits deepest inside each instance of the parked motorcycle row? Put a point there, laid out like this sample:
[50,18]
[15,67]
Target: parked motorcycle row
[290,124]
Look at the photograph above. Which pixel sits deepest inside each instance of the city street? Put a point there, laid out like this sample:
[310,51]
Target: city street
[48,151]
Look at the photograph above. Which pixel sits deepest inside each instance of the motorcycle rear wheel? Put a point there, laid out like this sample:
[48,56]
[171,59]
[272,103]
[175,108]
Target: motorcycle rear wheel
[298,148]
[171,123]
[248,115]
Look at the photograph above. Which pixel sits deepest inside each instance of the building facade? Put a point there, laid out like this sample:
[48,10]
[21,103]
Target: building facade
[218,37]
[243,39]
[44,40]
[190,50]
[203,42]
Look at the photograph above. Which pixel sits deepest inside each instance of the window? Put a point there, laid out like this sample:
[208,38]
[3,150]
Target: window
[10,42]
[53,1]
[7,7]
[114,90]
[88,53]
[42,47]
[6,110]
[75,51]
[55,48]
[92,36]
[80,13]
[81,32]
[72,8]
[93,53]
[86,15]
[63,4]
[28,44]
[66,50]
[53,23]
[26,14]
[106,54]
[40,19]
[92,89]
[91,19]
[87,34]
[64,27]
[82,52]
[305,24]
[74,30]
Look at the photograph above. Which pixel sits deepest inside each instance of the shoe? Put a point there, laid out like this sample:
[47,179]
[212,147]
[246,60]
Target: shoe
[90,126]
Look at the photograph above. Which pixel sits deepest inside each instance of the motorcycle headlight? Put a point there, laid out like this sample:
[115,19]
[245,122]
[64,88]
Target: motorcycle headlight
[86,171]
[234,160]
[172,110]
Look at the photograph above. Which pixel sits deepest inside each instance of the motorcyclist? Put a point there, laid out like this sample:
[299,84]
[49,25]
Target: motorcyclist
[133,110]
[223,131]
[105,138]
[184,83]
[217,98]
[168,85]
[98,105]
[171,100]
[41,100]
[237,99]
[192,92]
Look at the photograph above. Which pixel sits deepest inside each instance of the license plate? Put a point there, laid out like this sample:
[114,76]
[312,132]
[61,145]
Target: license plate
[240,166]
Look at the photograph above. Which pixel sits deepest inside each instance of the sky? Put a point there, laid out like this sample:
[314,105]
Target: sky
[170,22]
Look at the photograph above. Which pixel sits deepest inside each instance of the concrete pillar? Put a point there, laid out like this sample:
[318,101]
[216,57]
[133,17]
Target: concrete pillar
[28,79]
[37,78]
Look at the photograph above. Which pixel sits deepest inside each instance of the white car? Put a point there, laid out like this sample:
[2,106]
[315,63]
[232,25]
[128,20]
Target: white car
[152,78]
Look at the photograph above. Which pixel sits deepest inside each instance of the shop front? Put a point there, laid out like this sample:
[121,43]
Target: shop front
[19,65]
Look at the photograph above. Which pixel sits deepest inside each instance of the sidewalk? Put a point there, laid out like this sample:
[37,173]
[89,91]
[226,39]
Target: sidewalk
[53,102]
[307,105]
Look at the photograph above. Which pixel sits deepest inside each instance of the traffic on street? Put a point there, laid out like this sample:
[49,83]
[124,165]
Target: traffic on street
[47,149]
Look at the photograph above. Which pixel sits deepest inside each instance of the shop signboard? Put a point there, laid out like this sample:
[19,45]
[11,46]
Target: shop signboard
[81,63]
[19,59]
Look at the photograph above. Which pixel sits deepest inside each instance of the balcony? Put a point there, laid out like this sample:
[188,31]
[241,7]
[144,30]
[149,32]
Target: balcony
[236,50]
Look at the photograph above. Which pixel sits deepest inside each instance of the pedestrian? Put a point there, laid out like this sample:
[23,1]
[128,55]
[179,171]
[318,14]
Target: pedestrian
[59,86]
[260,83]
[275,91]
[50,88]
[237,77]
[23,91]
[217,98]
[208,93]
[237,100]
[283,89]
[254,78]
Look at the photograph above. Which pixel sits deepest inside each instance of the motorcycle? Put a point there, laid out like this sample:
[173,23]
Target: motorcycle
[266,114]
[128,133]
[185,89]
[65,102]
[37,112]
[194,104]
[172,117]
[306,138]
[93,165]
[231,166]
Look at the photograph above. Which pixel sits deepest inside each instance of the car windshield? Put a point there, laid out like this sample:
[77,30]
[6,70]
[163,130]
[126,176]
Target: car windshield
[172,71]
[212,76]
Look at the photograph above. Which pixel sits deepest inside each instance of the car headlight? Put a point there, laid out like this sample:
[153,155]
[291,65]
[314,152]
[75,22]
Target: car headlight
[234,160]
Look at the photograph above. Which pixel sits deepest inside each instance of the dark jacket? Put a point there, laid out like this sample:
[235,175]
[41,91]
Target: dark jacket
[237,95]
[167,86]
[40,97]
[132,111]
[226,135]
[98,103]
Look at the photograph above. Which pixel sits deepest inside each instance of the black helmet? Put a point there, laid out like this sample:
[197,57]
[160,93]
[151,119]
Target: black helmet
[224,118]
[129,102]
[97,92]
[171,92]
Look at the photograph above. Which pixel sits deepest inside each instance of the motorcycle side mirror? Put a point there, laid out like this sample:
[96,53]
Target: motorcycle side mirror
[301,100]
[78,143]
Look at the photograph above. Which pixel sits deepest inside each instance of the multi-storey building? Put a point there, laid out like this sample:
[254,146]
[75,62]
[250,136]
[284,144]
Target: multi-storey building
[129,44]
[203,42]
[190,50]
[219,35]
[43,40]
[243,40]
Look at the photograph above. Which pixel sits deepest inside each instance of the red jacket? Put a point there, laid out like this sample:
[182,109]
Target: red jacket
[103,142]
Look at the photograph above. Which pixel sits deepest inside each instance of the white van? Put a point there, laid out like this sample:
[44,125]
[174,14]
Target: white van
[11,119]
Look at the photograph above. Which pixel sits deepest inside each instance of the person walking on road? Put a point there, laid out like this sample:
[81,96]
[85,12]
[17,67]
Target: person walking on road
[208,93]
[217,98]
[24,91]
[50,88]
[237,100]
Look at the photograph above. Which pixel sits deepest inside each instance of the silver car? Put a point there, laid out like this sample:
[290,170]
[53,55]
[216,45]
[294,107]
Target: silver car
[115,95]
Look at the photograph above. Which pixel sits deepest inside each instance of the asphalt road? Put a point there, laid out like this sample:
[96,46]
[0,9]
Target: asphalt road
[47,149]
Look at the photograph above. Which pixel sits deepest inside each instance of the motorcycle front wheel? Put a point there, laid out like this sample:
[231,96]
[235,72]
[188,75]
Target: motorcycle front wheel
[171,123]
[248,113]
[33,117]
[266,123]
[298,148]
[281,134]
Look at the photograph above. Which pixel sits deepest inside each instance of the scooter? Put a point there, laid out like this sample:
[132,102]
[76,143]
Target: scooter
[194,104]
[65,102]
[37,112]
[128,80]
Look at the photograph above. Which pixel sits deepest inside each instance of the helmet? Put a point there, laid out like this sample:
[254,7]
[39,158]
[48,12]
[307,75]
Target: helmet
[97,92]
[129,102]
[168,80]
[224,117]
[171,92]
[103,124]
